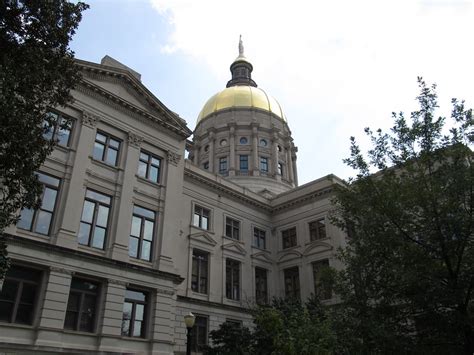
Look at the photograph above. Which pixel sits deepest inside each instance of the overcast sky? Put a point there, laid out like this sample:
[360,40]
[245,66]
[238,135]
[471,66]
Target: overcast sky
[334,66]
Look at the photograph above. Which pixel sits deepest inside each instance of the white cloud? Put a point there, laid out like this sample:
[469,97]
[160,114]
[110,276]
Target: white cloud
[335,66]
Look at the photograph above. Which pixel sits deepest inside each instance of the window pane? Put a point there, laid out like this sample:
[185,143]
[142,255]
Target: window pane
[88,211]
[88,313]
[141,169]
[139,311]
[24,314]
[205,221]
[135,295]
[143,212]
[114,143]
[83,235]
[102,216]
[63,136]
[73,301]
[98,197]
[133,247]
[26,218]
[98,152]
[28,293]
[136,226]
[137,328]
[100,137]
[148,230]
[155,161]
[196,220]
[49,180]
[42,222]
[49,199]
[153,174]
[99,238]
[127,310]
[111,157]
[145,157]
[10,288]
[146,250]
[125,326]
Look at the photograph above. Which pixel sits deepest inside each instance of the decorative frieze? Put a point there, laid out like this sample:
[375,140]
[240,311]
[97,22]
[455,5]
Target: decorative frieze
[173,158]
[89,119]
[134,140]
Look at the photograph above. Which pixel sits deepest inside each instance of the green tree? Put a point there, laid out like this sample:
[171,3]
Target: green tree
[285,327]
[37,72]
[409,277]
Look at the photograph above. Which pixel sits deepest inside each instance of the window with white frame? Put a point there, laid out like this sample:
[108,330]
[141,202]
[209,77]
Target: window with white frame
[201,217]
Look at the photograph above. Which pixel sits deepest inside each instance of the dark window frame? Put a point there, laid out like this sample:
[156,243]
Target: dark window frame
[232,228]
[243,162]
[323,292]
[149,165]
[261,285]
[259,238]
[36,212]
[317,230]
[106,147]
[289,238]
[200,331]
[223,165]
[292,282]
[141,238]
[82,296]
[232,279]
[202,214]
[133,319]
[58,124]
[93,224]
[264,164]
[202,262]
[20,285]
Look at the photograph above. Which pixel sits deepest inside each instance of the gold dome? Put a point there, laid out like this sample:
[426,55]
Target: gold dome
[242,96]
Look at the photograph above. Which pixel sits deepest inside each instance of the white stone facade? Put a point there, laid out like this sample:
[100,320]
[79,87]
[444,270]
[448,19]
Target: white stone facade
[192,208]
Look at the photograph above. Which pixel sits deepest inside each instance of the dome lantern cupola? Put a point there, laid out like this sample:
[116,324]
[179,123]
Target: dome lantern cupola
[241,70]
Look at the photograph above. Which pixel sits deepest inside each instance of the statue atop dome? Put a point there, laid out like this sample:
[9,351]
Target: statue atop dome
[241,47]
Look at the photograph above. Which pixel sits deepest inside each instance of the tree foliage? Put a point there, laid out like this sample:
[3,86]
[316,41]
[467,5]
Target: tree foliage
[286,327]
[409,277]
[36,73]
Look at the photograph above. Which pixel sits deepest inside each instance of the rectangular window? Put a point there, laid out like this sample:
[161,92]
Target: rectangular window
[200,271]
[149,167]
[106,148]
[201,217]
[134,310]
[244,162]
[259,238]
[280,169]
[317,229]
[141,234]
[261,290]
[232,228]
[81,305]
[18,295]
[199,334]
[323,291]
[39,221]
[223,165]
[232,279]
[264,164]
[94,220]
[58,128]
[289,237]
[292,282]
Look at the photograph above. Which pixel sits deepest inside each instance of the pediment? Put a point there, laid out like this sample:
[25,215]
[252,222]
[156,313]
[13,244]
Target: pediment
[290,255]
[234,247]
[317,247]
[202,237]
[262,256]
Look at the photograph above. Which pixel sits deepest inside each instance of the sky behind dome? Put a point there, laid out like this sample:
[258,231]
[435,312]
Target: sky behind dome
[334,66]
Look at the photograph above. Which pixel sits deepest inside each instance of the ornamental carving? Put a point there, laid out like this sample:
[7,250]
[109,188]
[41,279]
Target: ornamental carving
[173,158]
[89,119]
[134,140]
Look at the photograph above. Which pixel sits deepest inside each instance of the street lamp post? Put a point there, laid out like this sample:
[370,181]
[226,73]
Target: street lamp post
[189,321]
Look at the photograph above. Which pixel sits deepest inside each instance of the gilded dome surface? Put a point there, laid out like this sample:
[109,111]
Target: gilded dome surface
[241,96]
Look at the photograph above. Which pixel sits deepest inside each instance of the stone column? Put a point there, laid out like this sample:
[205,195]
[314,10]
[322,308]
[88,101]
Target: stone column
[196,154]
[113,313]
[119,246]
[289,163]
[255,170]
[163,319]
[232,149]
[212,137]
[295,170]
[54,307]
[74,189]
